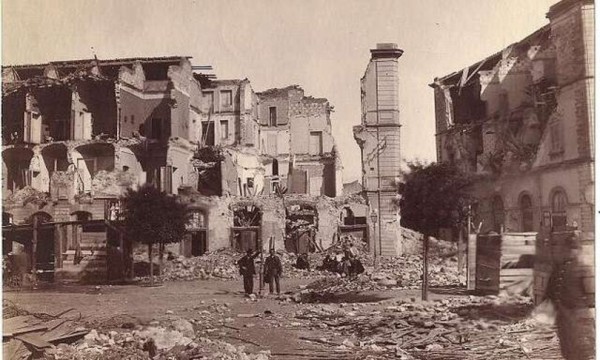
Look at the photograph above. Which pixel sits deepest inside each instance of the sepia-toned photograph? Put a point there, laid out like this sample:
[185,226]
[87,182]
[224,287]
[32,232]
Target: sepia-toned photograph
[295,180]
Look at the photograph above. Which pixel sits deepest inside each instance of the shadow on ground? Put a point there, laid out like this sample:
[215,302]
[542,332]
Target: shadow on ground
[347,297]
[503,312]
[451,290]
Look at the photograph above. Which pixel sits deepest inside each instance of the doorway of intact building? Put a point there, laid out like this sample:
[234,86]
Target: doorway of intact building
[300,228]
[246,227]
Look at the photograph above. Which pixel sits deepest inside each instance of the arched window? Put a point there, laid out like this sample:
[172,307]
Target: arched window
[497,213]
[559,203]
[526,206]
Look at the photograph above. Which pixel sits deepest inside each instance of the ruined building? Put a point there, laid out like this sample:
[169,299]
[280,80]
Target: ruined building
[296,132]
[77,134]
[522,120]
[379,139]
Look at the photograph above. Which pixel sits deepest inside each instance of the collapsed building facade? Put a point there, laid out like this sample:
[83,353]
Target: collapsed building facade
[77,134]
[523,121]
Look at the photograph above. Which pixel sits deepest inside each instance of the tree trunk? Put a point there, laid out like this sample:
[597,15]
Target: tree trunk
[151,264]
[461,250]
[425,282]
[161,252]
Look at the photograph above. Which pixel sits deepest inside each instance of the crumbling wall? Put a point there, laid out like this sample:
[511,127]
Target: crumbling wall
[220,221]
[306,116]
[180,159]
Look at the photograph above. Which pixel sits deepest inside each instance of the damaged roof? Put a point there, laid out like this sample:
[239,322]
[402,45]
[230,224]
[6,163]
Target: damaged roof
[540,37]
[35,75]
[280,92]
[76,63]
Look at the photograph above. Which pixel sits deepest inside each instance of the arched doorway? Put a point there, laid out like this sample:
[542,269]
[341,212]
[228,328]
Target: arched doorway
[559,201]
[526,206]
[247,219]
[497,214]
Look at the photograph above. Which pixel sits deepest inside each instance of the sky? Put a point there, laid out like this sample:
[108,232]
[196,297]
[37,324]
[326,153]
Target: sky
[321,45]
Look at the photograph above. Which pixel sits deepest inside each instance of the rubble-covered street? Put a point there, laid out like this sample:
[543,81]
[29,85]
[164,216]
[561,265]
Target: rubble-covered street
[319,317]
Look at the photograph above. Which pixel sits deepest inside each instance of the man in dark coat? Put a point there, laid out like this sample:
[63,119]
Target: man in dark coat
[273,270]
[247,270]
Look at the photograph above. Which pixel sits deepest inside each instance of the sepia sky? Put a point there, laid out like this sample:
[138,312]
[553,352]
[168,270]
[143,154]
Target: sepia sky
[322,45]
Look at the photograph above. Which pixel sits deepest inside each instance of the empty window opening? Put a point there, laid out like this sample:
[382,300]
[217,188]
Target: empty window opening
[316,143]
[272,116]
[224,129]
[209,99]
[226,98]
[208,133]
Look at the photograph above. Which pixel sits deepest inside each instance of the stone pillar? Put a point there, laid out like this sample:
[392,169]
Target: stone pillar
[379,139]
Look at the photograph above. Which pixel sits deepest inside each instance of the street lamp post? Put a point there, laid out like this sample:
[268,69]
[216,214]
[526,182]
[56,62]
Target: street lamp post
[374,218]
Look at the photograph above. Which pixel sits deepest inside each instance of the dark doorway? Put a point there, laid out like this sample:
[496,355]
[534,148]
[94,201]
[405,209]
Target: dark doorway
[198,243]
[246,227]
[197,229]
[526,213]
[44,253]
[300,228]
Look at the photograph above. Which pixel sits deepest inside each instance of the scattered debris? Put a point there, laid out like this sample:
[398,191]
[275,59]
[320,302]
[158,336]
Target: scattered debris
[456,328]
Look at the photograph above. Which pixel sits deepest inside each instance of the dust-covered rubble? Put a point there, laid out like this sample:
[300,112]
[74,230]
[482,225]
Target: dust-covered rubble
[171,339]
[456,328]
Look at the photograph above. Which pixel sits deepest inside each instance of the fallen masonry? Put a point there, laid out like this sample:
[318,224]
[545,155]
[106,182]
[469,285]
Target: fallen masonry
[457,328]
[63,337]
[399,272]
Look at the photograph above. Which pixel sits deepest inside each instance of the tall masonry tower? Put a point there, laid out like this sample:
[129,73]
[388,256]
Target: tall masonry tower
[379,139]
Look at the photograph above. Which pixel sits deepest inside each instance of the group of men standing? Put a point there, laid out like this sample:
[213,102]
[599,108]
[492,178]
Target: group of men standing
[272,271]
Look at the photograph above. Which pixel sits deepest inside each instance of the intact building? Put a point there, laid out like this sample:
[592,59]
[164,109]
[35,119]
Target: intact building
[379,139]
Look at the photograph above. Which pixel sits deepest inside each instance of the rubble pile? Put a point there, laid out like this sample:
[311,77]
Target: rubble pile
[39,335]
[457,328]
[218,264]
[398,273]
[173,340]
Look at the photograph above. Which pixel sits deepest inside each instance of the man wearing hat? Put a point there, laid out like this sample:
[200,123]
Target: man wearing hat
[273,270]
[247,270]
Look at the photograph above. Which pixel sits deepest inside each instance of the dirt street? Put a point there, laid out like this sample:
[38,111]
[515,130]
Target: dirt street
[381,324]
[108,307]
